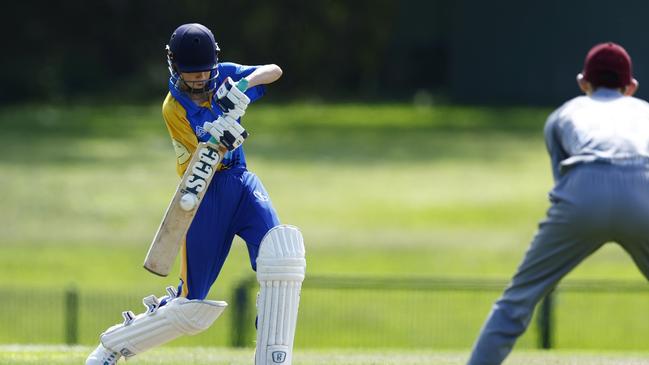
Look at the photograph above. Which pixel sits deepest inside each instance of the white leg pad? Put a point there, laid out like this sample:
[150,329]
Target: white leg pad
[281,266]
[157,326]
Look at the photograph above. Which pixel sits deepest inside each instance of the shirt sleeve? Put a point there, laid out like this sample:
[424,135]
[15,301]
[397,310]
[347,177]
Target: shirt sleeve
[182,136]
[237,72]
[553,144]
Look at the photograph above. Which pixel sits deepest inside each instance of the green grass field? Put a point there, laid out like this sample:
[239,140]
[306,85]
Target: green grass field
[378,190]
[27,355]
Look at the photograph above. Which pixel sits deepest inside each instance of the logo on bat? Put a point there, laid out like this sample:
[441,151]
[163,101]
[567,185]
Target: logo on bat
[208,157]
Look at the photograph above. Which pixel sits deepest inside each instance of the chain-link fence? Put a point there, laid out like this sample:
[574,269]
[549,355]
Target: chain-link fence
[357,312]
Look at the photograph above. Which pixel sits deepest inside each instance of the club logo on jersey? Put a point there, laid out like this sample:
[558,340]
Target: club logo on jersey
[279,357]
[200,131]
[261,196]
[182,153]
[202,169]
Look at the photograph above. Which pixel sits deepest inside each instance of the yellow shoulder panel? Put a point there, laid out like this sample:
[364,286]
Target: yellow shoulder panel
[182,137]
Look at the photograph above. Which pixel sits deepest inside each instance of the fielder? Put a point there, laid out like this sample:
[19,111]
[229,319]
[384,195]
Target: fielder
[599,151]
[202,102]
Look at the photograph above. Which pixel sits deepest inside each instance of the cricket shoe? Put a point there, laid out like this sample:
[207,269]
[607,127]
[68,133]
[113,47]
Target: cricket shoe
[103,356]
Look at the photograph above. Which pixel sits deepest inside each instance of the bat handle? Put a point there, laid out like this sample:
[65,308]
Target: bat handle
[219,146]
[241,85]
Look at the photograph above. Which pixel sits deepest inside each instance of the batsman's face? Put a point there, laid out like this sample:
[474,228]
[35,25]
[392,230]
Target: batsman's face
[196,80]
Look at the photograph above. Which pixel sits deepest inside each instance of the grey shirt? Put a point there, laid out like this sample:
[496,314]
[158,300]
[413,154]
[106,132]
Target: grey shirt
[605,126]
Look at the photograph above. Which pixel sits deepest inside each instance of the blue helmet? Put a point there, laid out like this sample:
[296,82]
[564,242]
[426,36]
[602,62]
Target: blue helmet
[192,48]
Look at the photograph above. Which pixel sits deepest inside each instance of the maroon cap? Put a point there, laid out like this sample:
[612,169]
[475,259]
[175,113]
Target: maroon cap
[608,65]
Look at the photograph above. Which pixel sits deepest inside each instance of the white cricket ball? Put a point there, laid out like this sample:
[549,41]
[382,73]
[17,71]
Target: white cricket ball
[188,201]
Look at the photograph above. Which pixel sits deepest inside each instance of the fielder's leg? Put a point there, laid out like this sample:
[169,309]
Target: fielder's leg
[539,273]
[281,266]
[574,229]
[163,321]
[631,214]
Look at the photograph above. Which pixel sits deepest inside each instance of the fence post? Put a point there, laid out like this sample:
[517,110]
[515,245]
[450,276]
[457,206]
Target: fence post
[545,321]
[241,319]
[71,316]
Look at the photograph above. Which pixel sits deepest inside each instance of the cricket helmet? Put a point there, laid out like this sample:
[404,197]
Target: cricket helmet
[192,48]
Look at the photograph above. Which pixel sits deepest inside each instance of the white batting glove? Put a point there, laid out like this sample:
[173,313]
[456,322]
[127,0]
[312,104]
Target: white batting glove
[231,100]
[227,131]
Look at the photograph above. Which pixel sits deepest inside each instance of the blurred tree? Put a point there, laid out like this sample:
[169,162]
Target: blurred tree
[115,48]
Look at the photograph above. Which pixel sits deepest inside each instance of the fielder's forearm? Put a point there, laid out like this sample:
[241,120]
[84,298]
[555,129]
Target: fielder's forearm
[266,74]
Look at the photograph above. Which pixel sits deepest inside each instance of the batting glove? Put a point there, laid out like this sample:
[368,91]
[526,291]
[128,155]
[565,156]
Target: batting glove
[227,132]
[231,100]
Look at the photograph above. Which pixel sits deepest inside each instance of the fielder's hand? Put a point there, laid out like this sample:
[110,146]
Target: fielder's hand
[227,132]
[231,100]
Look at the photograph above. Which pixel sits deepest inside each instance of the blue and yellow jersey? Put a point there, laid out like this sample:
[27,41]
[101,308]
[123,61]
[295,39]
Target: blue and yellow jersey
[185,119]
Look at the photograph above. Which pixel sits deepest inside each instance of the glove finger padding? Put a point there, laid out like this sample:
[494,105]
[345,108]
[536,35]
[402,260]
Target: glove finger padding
[207,126]
[227,132]
[229,97]
[238,97]
[239,128]
[228,122]
[236,112]
[217,130]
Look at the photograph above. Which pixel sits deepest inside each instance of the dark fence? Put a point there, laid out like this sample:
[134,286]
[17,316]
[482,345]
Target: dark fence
[358,312]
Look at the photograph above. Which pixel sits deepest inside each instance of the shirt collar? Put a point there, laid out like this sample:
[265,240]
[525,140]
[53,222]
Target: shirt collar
[185,101]
[606,93]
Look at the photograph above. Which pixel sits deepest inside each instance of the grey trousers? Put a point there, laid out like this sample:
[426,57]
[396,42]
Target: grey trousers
[592,204]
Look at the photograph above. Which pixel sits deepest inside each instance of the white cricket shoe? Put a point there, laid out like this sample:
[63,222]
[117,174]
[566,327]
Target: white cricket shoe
[103,356]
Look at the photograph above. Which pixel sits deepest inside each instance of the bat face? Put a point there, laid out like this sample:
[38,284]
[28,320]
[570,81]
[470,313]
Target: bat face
[177,219]
[202,170]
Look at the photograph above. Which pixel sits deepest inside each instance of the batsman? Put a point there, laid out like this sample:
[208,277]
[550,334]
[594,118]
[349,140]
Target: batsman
[599,152]
[205,102]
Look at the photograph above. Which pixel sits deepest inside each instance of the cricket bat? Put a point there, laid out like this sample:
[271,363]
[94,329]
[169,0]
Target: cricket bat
[184,204]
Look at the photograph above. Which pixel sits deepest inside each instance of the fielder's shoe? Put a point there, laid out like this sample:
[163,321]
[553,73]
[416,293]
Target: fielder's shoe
[103,356]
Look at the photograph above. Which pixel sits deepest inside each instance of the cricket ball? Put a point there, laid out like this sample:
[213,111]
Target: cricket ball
[188,201]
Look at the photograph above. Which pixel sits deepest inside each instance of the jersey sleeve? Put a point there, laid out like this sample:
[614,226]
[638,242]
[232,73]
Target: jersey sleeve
[237,72]
[553,143]
[182,137]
